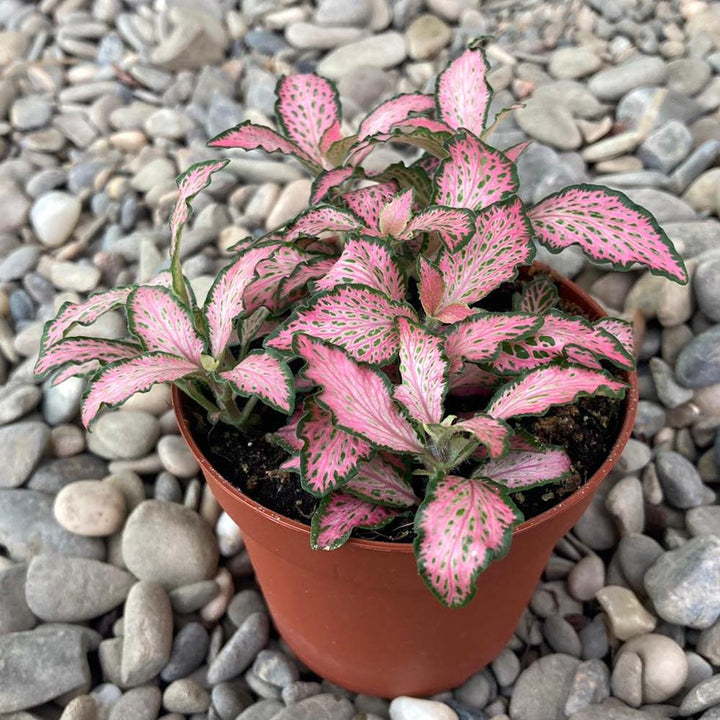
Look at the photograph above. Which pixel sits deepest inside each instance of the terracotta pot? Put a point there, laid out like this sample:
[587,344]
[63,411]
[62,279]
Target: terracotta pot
[361,616]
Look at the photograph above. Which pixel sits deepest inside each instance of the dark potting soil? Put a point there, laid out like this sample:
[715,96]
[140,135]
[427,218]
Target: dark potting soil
[587,430]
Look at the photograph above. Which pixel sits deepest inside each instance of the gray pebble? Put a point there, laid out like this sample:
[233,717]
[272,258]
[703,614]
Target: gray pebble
[15,615]
[706,283]
[189,650]
[613,83]
[186,696]
[21,446]
[148,628]
[505,667]
[590,685]
[17,400]
[142,703]
[275,668]
[28,527]
[594,639]
[626,679]
[241,649]
[124,434]
[698,364]
[476,691]
[561,636]
[542,689]
[666,147]
[681,484]
[66,589]
[229,699]
[682,583]
[636,553]
[39,666]
[703,696]
[53,476]
[262,710]
[189,598]
[650,419]
[243,605]
[669,392]
[596,527]
[625,502]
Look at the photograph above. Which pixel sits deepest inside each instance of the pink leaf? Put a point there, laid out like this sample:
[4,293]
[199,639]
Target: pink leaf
[463,93]
[474,175]
[471,380]
[163,324]
[367,203]
[327,181]
[478,338]
[608,227]
[293,286]
[452,224]
[330,456]
[538,296]
[492,255]
[117,382]
[379,482]
[291,464]
[266,376]
[461,526]
[261,291]
[79,350]
[423,370]
[493,434]
[366,261]
[287,435]
[392,112]
[518,469]
[554,335]
[357,395]
[395,216]
[538,390]
[621,329]
[339,514]
[248,136]
[190,183]
[84,313]
[358,319]
[432,286]
[514,152]
[324,218]
[580,356]
[308,108]
[225,300]
[76,371]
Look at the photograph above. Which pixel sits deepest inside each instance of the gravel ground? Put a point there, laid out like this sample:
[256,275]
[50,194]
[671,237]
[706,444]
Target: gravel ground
[102,104]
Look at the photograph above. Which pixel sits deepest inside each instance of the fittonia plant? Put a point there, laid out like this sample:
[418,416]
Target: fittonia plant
[373,295]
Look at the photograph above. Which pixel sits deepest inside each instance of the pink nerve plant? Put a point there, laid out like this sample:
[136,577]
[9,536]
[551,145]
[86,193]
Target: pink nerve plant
[360,317]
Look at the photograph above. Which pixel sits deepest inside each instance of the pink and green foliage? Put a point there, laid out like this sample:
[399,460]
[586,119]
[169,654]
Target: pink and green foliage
[330,456]
[356,318]
[340,513]
[384,307]
[491,256]
[460,527]
[608,227]
[539,295]
[557,332]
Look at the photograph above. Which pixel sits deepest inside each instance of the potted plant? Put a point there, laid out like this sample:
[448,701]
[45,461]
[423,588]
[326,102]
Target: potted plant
[415,370]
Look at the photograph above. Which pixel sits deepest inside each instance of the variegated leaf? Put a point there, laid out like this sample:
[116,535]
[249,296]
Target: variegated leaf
[478,338]
[424,371]
[84,313]
[453,225]
[81,370]
[309,112]
[287,436]
[339,514]
[379,482]
[621,329]
[537,296]
[492,255]
[461,526]
[116,382]
[291,464]
[330,456]
[392,112]
[163,324]
[519,470]
[264,375]
[367,203]
[248,136]
[80,350]
[293,287]
[538,390]
[358,319]
[472,380]
[323,218]
[514,152]
[395,216]
[327,181]
[357,395]
[554,335]
[580,356]
[608,227]
[261,291]
[463,93]
[190,183]
[366,261]
[492,433]
[474,175]
[225,300]
[407,177]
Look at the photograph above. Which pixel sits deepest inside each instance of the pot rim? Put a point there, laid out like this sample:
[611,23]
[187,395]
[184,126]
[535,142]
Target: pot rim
[631,401]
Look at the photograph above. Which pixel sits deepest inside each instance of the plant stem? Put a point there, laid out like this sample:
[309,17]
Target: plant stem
[247,410]
[199,398]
